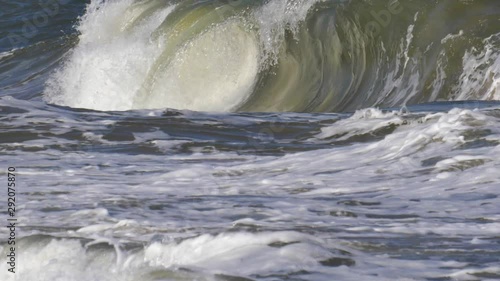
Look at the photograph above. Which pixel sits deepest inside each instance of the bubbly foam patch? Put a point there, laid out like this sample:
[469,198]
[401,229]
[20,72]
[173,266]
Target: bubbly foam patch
[430,178]
[106,69]
[43,258]
[241,253]
[275,18]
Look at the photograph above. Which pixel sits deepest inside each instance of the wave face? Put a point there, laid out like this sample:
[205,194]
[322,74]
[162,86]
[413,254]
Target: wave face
[280,55]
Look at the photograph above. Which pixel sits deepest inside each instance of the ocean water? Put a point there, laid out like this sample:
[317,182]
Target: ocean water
[251,140]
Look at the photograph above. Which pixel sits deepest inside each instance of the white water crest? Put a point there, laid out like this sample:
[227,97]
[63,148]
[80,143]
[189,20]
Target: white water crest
[261,56]
[117,64]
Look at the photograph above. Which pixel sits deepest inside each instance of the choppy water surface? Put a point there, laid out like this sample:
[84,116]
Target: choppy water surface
[252,140]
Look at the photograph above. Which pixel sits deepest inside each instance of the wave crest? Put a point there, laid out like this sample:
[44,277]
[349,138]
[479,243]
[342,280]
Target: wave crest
[279,55]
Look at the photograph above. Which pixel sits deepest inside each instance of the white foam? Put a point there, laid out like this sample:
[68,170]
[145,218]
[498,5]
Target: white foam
[371,120]
[432,177]
[240,254]
[401,83]
[112,65]
[274,18]
[481,72]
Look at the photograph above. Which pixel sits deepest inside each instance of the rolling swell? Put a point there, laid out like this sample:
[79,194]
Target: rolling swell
[301,55]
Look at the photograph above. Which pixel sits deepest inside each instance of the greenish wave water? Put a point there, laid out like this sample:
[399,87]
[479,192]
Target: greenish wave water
[305,56]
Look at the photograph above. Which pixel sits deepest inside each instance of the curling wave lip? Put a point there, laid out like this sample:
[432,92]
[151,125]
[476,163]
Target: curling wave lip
[303,56]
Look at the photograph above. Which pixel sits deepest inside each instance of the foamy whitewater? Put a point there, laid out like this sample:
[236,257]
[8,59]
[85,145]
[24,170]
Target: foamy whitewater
[252,140]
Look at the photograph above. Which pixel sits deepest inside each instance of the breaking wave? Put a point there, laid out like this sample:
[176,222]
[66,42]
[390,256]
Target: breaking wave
[279,55]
